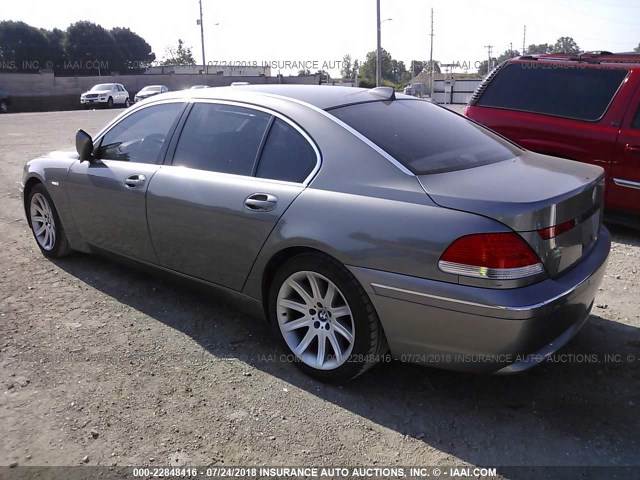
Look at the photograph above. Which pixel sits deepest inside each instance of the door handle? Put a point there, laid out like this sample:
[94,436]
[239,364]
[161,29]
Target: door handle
[261,202]
[633,148]
[135,181]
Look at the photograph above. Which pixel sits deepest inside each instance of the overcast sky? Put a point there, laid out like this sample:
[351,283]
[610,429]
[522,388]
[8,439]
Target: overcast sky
[324,30]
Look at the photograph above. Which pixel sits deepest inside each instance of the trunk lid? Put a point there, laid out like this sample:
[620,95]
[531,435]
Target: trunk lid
[530,193]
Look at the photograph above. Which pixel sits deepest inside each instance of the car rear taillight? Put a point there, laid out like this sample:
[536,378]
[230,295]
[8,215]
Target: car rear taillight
[550,232]
[494,256]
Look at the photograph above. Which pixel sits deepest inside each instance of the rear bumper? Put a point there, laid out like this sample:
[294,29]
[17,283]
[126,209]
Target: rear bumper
[479,329]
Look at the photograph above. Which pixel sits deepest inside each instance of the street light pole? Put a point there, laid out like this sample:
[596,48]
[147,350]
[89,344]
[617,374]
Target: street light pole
[204,63]
[378,50]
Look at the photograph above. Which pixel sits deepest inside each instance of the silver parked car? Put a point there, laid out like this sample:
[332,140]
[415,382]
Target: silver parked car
[150,91]
[359,222]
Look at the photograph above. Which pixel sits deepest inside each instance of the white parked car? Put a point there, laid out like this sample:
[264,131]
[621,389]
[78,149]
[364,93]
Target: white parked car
[108,94]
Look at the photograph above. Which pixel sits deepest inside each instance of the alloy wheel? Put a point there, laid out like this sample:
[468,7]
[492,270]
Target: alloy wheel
[315,320]
[43,222]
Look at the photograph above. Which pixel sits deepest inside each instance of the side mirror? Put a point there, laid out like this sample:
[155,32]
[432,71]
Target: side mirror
[84,145]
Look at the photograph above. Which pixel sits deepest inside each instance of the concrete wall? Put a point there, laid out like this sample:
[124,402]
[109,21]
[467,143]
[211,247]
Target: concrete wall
[460,92]
[45,92]
[214,69]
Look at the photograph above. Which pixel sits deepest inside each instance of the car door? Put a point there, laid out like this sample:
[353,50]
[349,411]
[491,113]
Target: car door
[122,94]
[623,190]
[211,211]
[107,195]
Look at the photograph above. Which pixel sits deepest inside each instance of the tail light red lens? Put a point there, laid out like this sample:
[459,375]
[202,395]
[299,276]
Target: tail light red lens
[550,232]
[497,256]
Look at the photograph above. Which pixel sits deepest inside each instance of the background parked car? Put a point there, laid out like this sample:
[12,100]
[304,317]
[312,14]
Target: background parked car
[5,100]
[150,91]
[414,89]
[106,94]
[584,108]
[196,87]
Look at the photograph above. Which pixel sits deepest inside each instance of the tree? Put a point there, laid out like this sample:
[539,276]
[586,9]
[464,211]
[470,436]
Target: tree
[540,48]
[22,47]
[179,55]
[637,49]
[304,72]
[346,72]
[368,67]
[483,70]
[89,46]
[566,45]
[55,52]
[134,53]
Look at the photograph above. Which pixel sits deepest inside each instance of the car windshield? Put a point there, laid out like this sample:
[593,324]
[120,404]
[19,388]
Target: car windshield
[151,89]
[426,138]
[102,86]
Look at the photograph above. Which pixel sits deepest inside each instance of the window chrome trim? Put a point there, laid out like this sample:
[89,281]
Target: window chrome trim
[621,182]
[276,114]
[350,129]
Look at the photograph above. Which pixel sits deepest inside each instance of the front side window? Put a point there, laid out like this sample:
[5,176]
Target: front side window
[426,138]
[221,138]
[564,91]
[139,137]
[287,155]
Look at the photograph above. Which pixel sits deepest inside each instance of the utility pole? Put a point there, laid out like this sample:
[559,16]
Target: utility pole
[524,41]
[510,49]
[431,70]
[204,63]
[489,47]
[378,49]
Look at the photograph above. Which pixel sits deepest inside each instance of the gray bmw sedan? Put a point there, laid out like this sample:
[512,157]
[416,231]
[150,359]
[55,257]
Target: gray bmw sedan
[358,222]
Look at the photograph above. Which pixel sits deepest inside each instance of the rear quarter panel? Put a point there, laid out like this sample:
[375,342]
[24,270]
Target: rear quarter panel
[404,237]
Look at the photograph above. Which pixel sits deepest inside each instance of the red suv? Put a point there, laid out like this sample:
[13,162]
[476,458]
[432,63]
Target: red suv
[584,108]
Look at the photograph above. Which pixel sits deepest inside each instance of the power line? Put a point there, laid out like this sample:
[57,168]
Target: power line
[489,48]
[431,69]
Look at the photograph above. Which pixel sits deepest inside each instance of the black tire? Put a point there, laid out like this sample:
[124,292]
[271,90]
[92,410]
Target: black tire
[127,103]
[369,344]
[110,103]
[4,106]
[60,247]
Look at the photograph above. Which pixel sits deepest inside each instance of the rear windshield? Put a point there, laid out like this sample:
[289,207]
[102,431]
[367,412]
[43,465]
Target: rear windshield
[554,89]
[426,138]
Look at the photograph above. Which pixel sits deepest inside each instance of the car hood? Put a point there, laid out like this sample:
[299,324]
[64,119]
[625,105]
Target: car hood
[100,92]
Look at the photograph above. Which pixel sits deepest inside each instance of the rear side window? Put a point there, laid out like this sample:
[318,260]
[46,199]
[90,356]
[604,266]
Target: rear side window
[426,138]
[564,91]
[221,138]
[287,155]
[636,121]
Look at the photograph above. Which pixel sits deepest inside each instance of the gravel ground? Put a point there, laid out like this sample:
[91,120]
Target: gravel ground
[104,365]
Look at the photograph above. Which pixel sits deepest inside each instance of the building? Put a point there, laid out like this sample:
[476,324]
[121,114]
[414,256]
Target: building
[243,69]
